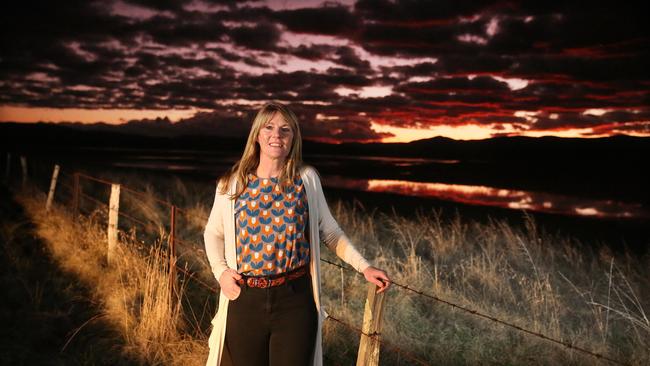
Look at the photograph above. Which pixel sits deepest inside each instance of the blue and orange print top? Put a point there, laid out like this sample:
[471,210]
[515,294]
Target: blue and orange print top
[271,227]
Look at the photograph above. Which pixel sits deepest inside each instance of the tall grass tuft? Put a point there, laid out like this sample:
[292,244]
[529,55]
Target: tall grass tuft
[133,291]
[528,276]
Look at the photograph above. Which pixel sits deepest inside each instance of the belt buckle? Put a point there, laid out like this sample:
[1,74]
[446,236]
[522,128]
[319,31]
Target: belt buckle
[259,282]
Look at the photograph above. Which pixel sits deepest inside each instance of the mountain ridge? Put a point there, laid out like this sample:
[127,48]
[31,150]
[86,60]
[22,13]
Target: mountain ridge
[43,136]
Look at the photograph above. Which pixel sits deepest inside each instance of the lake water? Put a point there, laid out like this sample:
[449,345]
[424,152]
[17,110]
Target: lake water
[193,162]
[618,215]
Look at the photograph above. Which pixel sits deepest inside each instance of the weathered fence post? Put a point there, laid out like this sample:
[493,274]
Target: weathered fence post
[8,167]
[75,194]
[172,252]
[369,344]
[23,164]
[342,288]
[50,194]
[113,210]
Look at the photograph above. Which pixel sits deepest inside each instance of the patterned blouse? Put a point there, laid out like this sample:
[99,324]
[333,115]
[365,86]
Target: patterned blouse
[271,227]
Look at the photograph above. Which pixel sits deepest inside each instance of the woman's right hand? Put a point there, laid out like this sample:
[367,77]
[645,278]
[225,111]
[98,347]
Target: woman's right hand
[228,283]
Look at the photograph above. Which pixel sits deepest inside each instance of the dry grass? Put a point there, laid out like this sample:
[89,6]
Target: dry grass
[133,290]
[543,282]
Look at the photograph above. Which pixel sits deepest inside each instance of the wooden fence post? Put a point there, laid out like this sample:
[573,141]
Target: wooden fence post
[23,164]
[342,288]
[172,252]
[50,194]
[8,167]
[369,345]
[75,194]
[113,210]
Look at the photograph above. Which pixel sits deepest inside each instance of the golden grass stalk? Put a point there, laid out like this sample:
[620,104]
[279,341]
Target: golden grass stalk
[133,291]
[541,281]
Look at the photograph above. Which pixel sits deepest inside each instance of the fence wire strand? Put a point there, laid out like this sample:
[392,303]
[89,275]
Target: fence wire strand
[183,242]
[496,320]
[133,219]
[66,185]
[376,337]
[476,313]
[188,213]
[145,195]
[94,200]
[194,276]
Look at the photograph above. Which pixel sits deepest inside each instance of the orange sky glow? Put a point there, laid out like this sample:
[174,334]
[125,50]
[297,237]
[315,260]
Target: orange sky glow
[110,116]
[119,116]
[350,70]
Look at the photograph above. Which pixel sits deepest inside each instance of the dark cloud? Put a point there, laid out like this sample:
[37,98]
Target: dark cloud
[329,20]
[179,5]
[549,121]
[183,32]
[346,56]
[236,122]
[460,84]
[406,11]
[346,128]
[446,61]
[259,37]
[311,52]
[172,5]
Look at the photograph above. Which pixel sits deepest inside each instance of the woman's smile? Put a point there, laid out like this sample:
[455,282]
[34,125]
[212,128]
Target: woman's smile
[275,138]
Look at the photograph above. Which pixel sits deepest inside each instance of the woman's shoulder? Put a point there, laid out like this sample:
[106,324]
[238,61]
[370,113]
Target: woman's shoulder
[224,182]
[309,171]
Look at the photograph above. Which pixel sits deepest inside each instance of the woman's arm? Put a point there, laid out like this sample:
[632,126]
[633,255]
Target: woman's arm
[335,239]
[213,236]
[215,248]
[332,234]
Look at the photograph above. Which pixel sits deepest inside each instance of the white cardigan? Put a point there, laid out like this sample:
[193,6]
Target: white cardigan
[219,237]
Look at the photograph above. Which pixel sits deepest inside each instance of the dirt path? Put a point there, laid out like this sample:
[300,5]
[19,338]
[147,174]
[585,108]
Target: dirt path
[42,307]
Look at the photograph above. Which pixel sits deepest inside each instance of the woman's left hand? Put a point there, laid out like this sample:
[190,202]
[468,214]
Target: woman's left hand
[378,277]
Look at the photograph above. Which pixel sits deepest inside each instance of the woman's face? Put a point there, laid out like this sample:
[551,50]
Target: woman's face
[275,138]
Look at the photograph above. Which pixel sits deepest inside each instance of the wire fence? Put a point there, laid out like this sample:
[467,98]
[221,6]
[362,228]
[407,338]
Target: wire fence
[568,345]
[74,200]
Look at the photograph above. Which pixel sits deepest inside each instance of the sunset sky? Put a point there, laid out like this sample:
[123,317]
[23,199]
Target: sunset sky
[353,71]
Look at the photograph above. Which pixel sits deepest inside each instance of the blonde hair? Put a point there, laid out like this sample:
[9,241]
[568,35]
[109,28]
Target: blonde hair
[251,157]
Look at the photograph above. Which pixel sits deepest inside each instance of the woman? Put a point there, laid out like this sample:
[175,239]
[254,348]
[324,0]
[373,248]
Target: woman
[262,242]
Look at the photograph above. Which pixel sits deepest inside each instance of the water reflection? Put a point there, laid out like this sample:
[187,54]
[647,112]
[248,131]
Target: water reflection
[469,194]
[489,196]
[384,159]
[177,164]
[322,160]
[169,167]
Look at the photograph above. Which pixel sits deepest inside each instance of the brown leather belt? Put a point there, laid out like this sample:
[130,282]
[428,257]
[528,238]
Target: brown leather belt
[273,280]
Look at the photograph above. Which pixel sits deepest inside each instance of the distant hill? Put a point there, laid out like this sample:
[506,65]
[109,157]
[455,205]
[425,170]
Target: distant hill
[214,123]
[514,148]
[603,168]
[50,136]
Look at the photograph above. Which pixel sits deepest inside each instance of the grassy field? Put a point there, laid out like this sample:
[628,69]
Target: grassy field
[595,299]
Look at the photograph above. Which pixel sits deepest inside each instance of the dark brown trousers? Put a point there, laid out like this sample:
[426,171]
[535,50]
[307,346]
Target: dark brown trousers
[273,326]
